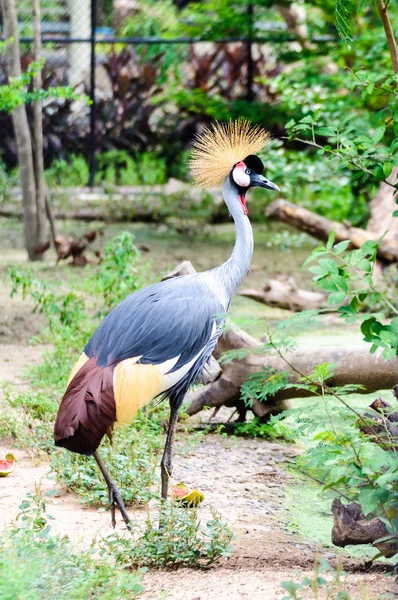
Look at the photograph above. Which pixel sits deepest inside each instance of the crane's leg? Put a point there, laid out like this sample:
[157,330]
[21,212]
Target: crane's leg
[115,498]
[166,464]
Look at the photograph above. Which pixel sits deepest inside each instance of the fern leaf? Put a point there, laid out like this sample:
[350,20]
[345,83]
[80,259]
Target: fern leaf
[344,10]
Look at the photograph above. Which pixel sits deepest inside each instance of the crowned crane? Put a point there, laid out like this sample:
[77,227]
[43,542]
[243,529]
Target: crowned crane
[157,341]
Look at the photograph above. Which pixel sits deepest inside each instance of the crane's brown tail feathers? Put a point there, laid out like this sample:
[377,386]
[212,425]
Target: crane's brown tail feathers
[96,397]
[88,409]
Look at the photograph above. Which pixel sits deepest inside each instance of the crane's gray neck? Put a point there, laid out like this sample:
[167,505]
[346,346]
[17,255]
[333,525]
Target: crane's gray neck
[233,271]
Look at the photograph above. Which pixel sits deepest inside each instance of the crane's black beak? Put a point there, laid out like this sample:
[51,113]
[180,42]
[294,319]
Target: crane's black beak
[257,180]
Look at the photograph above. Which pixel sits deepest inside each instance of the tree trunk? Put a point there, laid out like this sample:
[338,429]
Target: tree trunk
[320,228]
[286,295]
[381,209]
[38,130]
[295,18]
[22,135]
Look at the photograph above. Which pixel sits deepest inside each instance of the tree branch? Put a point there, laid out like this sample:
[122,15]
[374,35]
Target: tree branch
[385,19]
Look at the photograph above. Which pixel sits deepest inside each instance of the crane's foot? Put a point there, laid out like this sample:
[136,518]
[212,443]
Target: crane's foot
[115,497]
[116,501]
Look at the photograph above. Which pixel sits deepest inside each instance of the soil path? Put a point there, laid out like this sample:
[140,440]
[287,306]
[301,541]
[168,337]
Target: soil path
[244,480]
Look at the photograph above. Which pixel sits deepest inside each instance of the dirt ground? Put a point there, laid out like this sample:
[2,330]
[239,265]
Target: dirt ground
[244,480]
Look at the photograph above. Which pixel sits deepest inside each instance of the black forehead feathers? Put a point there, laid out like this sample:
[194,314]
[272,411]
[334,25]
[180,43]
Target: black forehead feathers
[254,163]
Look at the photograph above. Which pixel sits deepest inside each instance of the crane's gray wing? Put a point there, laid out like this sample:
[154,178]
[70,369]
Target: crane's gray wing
[177,317]
[124,365]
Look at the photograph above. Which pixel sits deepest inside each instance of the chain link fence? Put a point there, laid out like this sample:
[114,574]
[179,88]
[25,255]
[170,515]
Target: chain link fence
[141,83]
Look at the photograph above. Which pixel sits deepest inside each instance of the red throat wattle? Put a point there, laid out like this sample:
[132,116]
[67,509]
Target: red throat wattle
[242,199]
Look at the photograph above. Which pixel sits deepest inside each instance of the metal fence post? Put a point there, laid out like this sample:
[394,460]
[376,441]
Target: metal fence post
[92,134]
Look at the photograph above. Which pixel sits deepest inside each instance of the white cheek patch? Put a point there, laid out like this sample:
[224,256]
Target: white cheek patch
[240,177]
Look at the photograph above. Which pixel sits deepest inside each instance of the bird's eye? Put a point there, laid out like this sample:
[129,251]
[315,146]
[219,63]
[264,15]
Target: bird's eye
[248,171]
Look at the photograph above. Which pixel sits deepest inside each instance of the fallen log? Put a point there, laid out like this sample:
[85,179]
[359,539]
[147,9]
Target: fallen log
[355,366]
[320,228]
[351,527]
[286,295]
[121,203]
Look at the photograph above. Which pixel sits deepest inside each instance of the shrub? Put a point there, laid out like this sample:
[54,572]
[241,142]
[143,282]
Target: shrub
[177,539]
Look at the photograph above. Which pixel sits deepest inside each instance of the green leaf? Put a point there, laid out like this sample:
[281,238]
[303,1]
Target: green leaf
[343,14]
[329,264]
[340,282]
[341,246]
[364,265]
[368,500]
[291,587]
[326,131]
[388,353]
[314,254]
[387,168]
[336,298]
[331,238]
[378,173]
[382,494]
[378,134]
[367,327]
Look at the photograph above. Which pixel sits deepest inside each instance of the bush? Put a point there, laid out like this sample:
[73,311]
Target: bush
[177,539]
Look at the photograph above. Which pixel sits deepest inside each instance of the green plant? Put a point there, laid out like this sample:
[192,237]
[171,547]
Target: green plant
[74,172]
[16,93]
[274,429]
[35,563]
[348,453]
[121,272]
[370,471]
[8,424]
[134,454]
[120,167]
[359,457]
[326,583]
[176,539]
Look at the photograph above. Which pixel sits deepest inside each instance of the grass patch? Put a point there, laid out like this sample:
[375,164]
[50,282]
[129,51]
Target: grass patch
[35,564]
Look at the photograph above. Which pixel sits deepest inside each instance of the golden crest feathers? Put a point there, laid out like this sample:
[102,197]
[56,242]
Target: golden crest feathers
[220,147]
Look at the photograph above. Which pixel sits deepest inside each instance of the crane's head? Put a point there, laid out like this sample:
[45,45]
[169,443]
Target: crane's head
[248,173]
[229,152]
